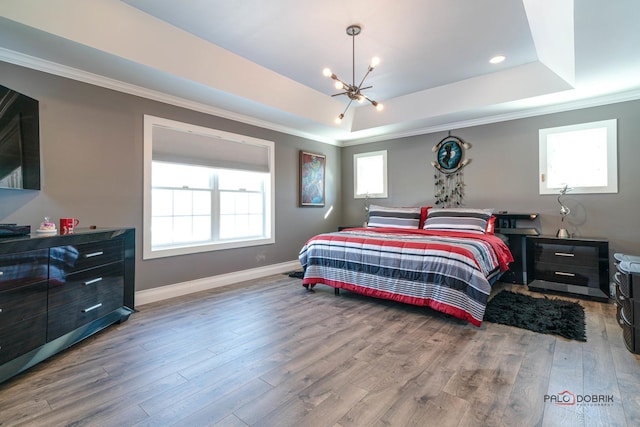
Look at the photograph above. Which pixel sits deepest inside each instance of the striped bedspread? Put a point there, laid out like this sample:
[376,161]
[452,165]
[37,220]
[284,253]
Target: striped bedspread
[447,271]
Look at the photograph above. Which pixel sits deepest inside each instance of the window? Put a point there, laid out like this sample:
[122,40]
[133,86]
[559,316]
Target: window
[583,157]
[204,189]
[370,175]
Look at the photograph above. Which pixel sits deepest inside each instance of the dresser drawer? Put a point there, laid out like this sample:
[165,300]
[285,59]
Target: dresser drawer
[629,284]
[23,268]
[22,303]
[88,285]
[567,255]
[22,337]
[630,307]
[631,335]
[70,259]
[619,315]
[67,317]
[619,296]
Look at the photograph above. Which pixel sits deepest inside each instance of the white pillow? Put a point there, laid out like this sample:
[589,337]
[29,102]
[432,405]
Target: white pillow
[458,219]
[382,216]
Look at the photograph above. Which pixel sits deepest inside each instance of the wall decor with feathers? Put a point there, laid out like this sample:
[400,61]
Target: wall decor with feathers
[449,164]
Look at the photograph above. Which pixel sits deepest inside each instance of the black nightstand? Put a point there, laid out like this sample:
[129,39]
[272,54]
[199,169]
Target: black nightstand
[507,224]
[344,227]
[574,266]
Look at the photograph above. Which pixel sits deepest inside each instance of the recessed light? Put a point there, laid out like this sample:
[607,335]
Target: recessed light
[497,59]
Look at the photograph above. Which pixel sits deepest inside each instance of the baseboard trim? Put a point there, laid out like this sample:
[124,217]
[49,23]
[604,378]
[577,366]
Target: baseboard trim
[184,288]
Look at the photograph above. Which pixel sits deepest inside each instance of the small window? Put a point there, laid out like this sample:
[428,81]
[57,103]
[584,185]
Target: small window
[583,157]
[204,189]
[370,175]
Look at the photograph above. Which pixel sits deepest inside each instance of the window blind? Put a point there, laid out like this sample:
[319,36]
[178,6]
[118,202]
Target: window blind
[171,145]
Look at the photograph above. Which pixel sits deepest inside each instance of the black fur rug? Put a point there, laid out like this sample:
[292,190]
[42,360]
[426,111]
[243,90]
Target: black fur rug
[544,315]
[295,274]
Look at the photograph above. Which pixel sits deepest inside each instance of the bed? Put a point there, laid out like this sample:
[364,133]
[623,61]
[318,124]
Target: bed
[448,263]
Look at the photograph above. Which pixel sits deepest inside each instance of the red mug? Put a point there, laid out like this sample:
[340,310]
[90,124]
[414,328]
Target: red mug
[67,225]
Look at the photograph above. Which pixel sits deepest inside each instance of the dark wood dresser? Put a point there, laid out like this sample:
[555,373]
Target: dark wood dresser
[627,298]
[570,265]
[57,290]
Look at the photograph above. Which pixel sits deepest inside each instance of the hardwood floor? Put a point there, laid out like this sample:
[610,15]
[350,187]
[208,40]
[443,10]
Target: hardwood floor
[270,353]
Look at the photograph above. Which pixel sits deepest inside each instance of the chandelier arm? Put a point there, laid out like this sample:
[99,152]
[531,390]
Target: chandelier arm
[365,76]
[334,77]
[369,99]
[348,105]
[338,94]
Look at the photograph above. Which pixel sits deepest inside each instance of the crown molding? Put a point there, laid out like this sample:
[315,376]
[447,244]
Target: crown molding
[615,98]
[60,70]
[57,69]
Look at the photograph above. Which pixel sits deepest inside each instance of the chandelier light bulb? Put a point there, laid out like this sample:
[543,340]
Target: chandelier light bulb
[339,118]
[338,85]
[374,62]
[360,99]
[327,72]
[379,106]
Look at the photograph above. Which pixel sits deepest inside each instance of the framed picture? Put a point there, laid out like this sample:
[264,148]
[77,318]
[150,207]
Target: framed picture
[312,176]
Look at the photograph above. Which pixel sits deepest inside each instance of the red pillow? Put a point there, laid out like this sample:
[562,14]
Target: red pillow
[491,224]
[424,211]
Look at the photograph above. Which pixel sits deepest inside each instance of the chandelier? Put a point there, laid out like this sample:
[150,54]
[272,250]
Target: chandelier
[353,92]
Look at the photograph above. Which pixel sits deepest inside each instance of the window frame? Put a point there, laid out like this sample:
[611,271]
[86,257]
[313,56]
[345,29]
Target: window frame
[610,162]
[148,252]
[385,193]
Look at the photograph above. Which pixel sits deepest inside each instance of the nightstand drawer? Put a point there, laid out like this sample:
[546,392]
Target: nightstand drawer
[567,274]
[568,255]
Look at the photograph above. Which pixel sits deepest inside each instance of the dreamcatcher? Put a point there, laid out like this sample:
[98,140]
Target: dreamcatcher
[449,179]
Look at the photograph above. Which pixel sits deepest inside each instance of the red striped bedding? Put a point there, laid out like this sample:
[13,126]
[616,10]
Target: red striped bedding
[450,271]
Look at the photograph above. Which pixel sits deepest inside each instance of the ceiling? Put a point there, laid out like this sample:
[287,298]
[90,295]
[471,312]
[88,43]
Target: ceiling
[261,62]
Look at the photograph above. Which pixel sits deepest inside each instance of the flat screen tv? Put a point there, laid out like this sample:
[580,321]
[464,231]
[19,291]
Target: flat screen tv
[19,141]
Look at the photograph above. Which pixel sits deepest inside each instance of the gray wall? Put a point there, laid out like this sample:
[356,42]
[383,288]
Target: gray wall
[91,159]
[91,148]
[503,174]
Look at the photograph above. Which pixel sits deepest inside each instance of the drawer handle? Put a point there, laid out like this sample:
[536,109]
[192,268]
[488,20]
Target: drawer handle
[562,273]
[563,254]
[92,281]
[93,307]
[92,254]
[1,273]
